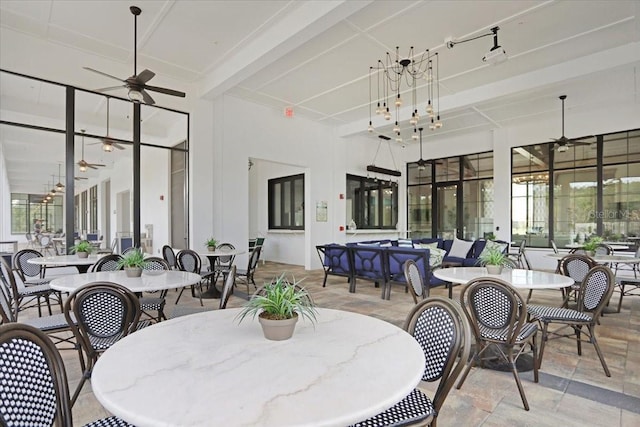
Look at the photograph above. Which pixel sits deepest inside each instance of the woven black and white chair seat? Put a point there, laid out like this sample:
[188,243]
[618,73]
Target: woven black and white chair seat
[545,313]
[527,330]
[35,290]
[152,303]
[413,408]
[56,321]
[37,282]
[103,343]
[109,422]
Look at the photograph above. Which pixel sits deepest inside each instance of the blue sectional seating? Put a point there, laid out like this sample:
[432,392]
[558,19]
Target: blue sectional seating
[382,261]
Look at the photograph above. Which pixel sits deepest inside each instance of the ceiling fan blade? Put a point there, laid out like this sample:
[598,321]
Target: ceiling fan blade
[104,74]
[89,165]
[106,89]
[146,97]
[578,142]
[78,178]
[118,146]
[145,76]
[165,91]
[96,165]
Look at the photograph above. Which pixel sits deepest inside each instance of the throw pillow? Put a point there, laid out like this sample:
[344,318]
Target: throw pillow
[435,257]
[405,243]
[386,245]
[492,245]
[376,244]
[460,248]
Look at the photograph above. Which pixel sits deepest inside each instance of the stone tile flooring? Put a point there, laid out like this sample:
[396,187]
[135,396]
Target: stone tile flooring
[573,390]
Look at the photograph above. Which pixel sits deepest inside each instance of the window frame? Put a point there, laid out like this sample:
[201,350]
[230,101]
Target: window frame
[380,185]
[281,211]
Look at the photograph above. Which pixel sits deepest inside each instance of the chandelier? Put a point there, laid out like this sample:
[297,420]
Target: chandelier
[413,71]
[541,178]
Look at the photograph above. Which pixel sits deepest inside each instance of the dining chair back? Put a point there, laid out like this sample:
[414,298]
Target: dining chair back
[413,277]
[604,249]
[595,290]
[157,302]
[575,266]
[108,263]
[155,264]
[227,288]
[38,393]
[223,263]
[34,286]
[440,327]
[104,312]
[188,260]
[247,275]
[170,256]
[497,313]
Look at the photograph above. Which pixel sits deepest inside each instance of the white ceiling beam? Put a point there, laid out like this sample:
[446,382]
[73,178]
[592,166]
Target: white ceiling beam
[306,21]
[597,62]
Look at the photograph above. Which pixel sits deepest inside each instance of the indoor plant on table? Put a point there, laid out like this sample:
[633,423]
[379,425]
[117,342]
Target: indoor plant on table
[132,262]
[278,305]
[211,244]
[494,260]
[83,248]
[591,245]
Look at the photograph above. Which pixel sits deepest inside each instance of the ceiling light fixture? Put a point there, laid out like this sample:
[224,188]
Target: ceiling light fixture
[377,169]
[135,95]
[414,70]
[495,55]
[59,185]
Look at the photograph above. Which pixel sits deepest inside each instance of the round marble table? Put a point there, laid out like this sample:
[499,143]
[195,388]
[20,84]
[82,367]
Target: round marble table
[82,264]
[207,370]
[518,278]
[604,259]
[149,281]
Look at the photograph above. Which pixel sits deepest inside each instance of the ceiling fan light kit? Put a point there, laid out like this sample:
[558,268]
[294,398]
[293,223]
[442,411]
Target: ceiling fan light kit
[563,143]
[137,83]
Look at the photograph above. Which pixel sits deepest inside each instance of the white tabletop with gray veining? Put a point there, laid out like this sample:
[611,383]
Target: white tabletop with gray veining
[207,369]
[518,278]
[149,281]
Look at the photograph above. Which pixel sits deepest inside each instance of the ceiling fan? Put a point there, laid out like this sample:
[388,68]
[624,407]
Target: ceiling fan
[563,143]
[422,164]
[84,164]
[137,84]
[107,142]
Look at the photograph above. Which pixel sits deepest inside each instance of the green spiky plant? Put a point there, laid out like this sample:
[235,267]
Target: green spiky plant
[592,244]
[494,256]
[132,259]
[280,300]
[82,246]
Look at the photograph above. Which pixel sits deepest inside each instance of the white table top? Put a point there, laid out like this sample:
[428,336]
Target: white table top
[518,278]
[61,260]
[221,252]
[149,281]
[208,370]
[603,259]
[615,247]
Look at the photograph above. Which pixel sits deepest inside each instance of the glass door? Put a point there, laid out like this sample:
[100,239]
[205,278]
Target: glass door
[446,210]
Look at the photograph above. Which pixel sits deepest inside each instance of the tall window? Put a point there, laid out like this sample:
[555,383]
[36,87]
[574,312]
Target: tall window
[286,202]
[372,203]
[586,189]
[83,212]
[26,208]
[451,197]
[93,209]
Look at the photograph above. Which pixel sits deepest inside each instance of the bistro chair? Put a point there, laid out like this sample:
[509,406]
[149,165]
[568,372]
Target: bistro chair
[633,284]
[497,313]
[443,332]
[223,263]
[154,265]
[169,256]
[595,290]
[575,266]
[33,287]
[246,276]
[101,313]
[227,290]
[38,395]
[189,260]
[107,263]
[413,277]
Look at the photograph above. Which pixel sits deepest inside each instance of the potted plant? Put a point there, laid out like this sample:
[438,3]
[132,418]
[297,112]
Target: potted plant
[211,244]
[278,306]
[83,248]
[494,259]
[132,262]
[591,245]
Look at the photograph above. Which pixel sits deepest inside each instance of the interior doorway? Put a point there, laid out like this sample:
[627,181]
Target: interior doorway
[105,214]
[123,213]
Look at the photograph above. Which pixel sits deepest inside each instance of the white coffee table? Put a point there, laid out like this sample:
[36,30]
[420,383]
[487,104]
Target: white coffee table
[516,277]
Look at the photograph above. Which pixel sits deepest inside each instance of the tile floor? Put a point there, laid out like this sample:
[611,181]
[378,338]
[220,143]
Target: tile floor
[573,390]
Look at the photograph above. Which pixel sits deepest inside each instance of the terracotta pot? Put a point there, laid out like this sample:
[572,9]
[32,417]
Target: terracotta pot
[494,269]
[278,330]
[82,254]
[133,271]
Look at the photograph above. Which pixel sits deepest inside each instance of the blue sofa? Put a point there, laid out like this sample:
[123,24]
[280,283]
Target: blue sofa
[382,261]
